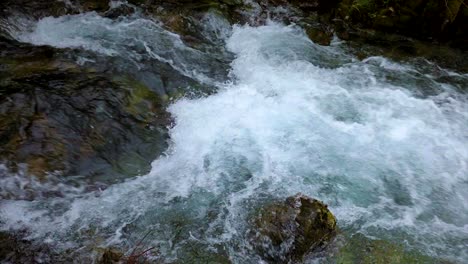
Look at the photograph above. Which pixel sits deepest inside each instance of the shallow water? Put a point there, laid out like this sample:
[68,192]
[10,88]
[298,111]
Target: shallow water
[385,144]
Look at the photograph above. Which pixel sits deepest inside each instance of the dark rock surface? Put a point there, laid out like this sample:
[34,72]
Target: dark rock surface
[434,20]
[287,231]
[42,8]
[14,249]
[444,21]
[58,116]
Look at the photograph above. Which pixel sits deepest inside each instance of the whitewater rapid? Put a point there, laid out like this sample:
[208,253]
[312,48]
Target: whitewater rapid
[385,144]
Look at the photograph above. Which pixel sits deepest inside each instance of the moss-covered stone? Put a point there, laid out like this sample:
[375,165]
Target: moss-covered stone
[362,250]
[434,19]
[319,34]
[94,5]
[289,230]
[110,256]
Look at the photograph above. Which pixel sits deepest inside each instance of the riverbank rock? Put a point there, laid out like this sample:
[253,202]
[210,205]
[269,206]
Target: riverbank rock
[188,18]
[319,33]
[14,249]
[287,231]
[42,8]
[56,115]
[441,20]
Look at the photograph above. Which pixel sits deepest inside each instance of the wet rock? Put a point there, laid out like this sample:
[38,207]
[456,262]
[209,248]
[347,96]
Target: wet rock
[7,249]
[200,253]
[311,5]
[34,9]
[319,33]
[93,5]
[435,20]
[428,20]
[183,25]
[401,48]
[360,249]
[232,10]
[110,256]
[121,10]
[289,230]
[13,249]
[42,8]
[58,116]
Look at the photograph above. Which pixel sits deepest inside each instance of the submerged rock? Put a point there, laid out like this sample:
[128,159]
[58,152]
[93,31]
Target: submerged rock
[360,249]
[287,231]
[110,256]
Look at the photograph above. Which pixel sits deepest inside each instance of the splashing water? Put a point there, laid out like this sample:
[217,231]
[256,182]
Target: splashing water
[135,39]
[389,157]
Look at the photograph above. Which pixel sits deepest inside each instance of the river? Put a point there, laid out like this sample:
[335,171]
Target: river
[383,143]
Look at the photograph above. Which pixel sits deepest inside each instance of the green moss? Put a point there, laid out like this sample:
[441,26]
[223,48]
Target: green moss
[319,35]
[95,5]
[110,256]
[198,253]
[362,250]
[362,10]
[288,231]
[141,101]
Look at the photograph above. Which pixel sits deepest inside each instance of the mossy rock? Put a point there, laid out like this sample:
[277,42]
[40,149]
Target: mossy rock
[319,34]
[110,256]
[95,5]
[200,253]
[359,249]
[289,230]
[181,12]
[56,115]
[434,19]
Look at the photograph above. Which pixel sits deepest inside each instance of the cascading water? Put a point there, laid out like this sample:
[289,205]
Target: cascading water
[135,39]
[383,143]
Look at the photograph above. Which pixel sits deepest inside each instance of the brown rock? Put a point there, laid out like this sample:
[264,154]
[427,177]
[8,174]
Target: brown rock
[289,230]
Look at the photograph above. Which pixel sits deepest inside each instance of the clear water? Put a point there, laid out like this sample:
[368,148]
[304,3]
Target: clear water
[385,144]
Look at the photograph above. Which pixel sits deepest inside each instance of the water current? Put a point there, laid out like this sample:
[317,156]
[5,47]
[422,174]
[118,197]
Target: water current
[383,143]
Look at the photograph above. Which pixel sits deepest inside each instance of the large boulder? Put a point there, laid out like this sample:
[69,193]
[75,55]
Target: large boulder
[56,115]
[287,231]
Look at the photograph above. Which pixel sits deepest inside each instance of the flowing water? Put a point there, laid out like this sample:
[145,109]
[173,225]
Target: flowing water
[384,144]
